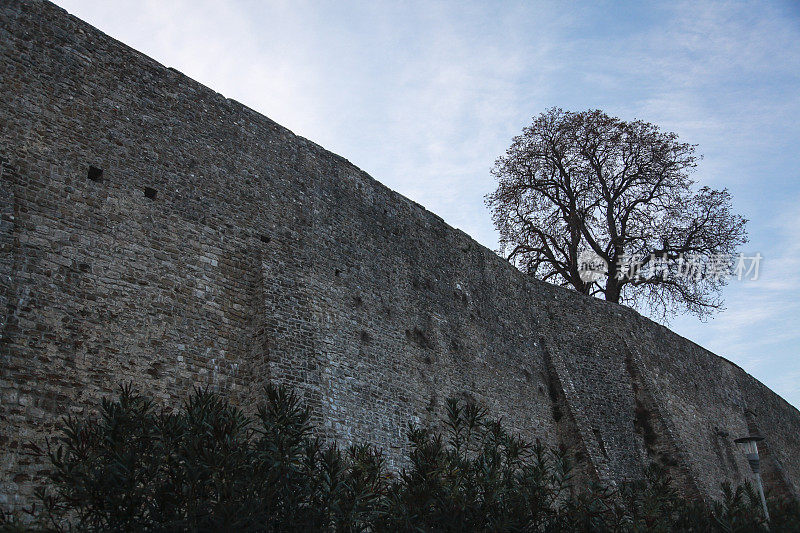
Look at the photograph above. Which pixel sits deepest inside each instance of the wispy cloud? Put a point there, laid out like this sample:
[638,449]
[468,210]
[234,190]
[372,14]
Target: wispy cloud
[758,328]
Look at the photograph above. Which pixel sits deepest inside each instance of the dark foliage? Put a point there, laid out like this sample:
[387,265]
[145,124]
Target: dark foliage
[209,467]
[586,187]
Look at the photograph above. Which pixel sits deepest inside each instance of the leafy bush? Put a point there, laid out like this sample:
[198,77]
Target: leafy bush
[208,467]
[478,477]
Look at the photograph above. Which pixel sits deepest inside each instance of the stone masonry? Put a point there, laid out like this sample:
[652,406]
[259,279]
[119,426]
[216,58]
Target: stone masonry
[152,230]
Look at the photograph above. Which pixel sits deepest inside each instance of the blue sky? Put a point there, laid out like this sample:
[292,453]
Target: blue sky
[424,96]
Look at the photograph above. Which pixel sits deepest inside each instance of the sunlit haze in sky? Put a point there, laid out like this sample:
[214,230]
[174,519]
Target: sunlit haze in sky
[425,96]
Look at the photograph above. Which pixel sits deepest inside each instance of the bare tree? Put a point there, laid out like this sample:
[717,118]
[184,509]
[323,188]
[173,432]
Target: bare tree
[582,187]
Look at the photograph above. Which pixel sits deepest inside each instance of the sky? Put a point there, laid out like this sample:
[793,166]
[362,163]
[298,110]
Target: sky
[424,96]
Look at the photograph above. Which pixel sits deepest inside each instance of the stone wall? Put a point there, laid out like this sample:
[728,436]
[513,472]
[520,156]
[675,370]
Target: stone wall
[218,248]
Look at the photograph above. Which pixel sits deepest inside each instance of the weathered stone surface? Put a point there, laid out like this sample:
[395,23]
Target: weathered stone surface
[218,248]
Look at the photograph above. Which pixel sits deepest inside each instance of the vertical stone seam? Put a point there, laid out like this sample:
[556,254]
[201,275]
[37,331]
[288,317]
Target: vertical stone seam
[8,249]
[588,441]
[648,388]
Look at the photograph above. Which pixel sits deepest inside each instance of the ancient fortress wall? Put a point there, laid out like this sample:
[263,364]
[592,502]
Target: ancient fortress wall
[218,248]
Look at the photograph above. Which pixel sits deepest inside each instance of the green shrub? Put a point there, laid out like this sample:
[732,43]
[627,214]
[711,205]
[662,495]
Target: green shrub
[208,467]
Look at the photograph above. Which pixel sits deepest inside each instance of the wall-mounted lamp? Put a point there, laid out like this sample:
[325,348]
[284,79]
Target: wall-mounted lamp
[749,445]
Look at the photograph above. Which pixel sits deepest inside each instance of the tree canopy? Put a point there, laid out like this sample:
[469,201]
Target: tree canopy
[608,208]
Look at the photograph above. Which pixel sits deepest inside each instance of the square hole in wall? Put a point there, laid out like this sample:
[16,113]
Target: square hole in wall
[95,173]
[150,192]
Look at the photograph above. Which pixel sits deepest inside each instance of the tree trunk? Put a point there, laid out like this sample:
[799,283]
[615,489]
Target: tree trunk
[613,290]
